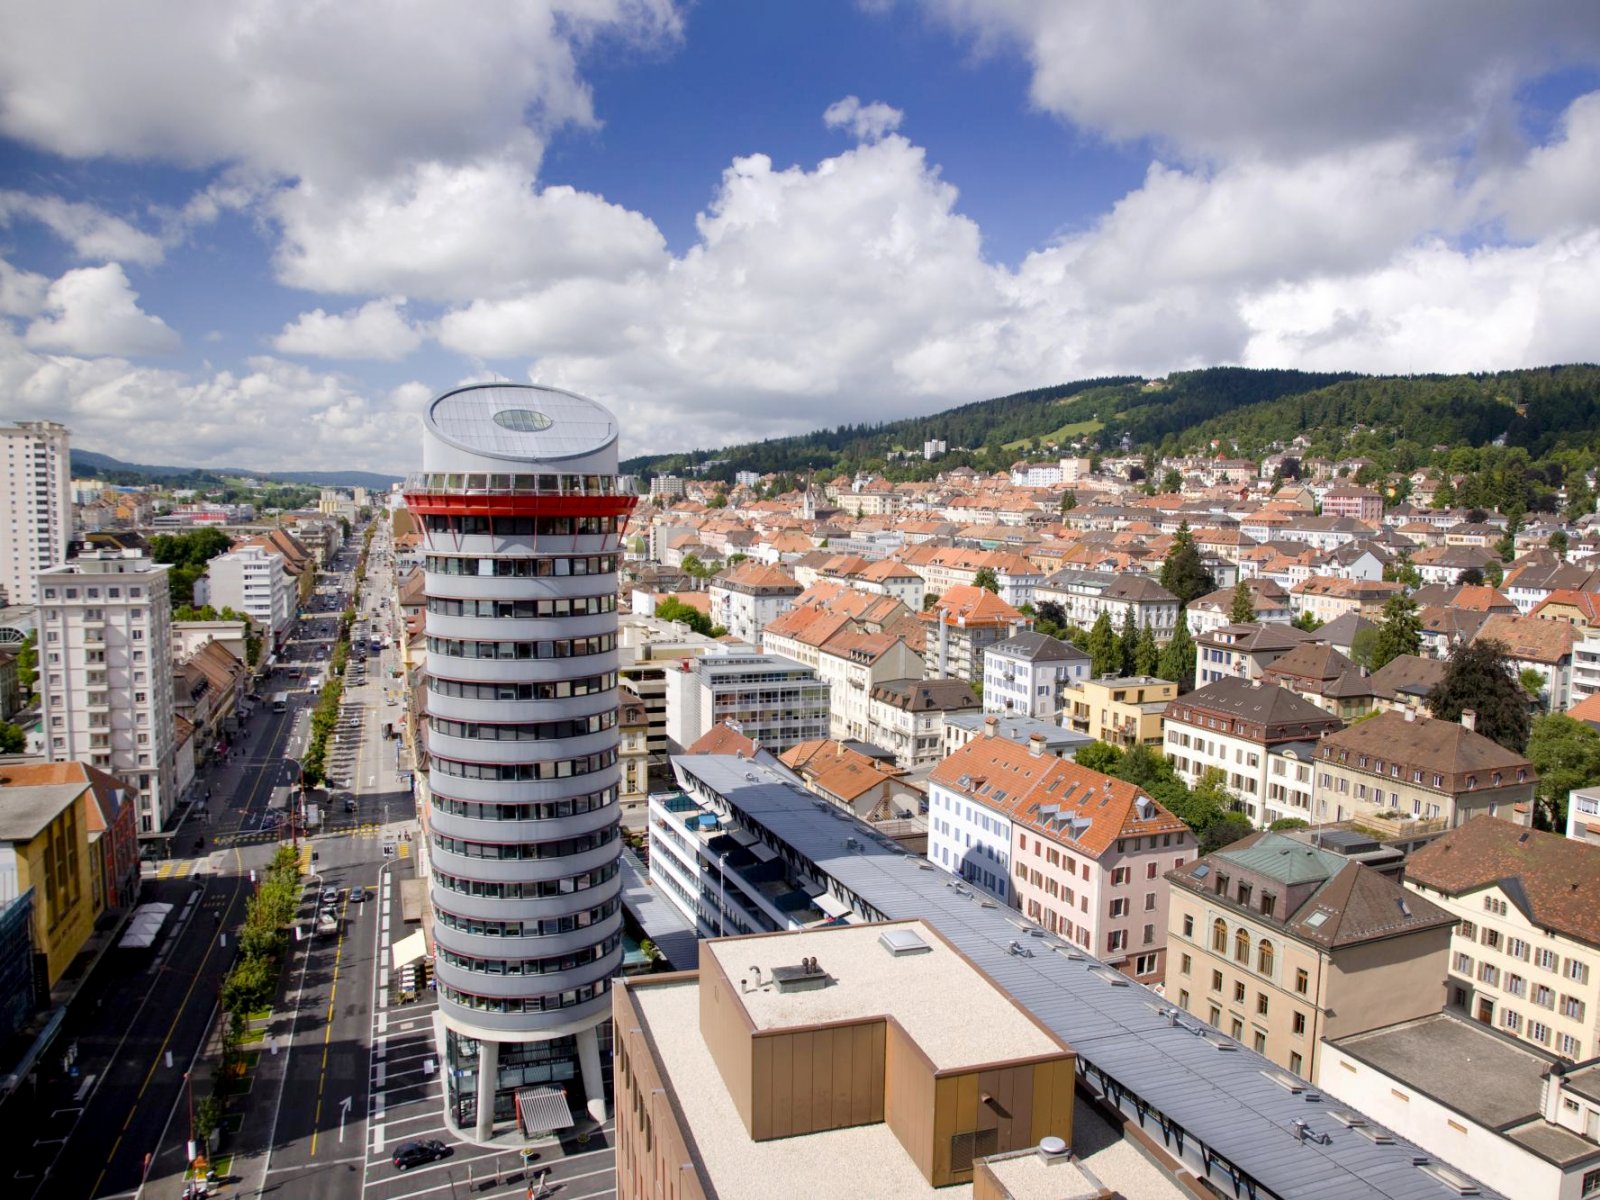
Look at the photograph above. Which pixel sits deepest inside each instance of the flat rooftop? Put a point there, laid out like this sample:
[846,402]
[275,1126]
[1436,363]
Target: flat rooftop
[1455,1061]
[869,1157]
[945,1005]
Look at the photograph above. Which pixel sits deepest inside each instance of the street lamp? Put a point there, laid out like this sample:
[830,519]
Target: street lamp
[722,895]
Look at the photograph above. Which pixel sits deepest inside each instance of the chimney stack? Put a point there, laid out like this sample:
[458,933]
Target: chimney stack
[1036,744]
[1469,720]
[1411,715]
[991,726]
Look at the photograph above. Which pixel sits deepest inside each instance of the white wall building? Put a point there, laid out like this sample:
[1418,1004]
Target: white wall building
[775,701]
[745,598]
[105,674]
[1025,674]
[252,580]
[35,505]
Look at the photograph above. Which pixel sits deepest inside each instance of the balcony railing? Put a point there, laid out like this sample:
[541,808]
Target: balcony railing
[520,485]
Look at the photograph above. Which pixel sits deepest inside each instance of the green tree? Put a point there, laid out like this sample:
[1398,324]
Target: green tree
[1242,610]
[1177,657]
[672,609]
[1105,654]
[985,578]
[1128,642]
[1559,542]
[1099,756]
[1226,830]
[1146,653]
[1533,683]
[1069,501]
[28,666]
[695,568]
[1400,632]
[1309,622]
[1171,481]
[13,740]
[1363,648]
[1566,753]
[1284,824]
[1183,573]
[1479,677]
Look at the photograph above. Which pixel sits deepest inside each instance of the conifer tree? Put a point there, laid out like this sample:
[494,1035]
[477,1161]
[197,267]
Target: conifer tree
[1146,653]
[1128,641]
[1105,654]
[1177,659]
[1243,610]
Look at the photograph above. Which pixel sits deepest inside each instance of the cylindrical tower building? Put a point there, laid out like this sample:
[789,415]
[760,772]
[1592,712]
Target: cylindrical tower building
[522,515]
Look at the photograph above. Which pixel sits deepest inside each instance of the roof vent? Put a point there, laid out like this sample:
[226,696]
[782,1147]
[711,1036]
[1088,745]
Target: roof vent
[1053,1150]
[807,977]
[902,941]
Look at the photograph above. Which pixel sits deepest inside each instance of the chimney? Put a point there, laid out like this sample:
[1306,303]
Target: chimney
[991,726]
[1550,1089]
[1469,720]
[1411,715]
[1036,744]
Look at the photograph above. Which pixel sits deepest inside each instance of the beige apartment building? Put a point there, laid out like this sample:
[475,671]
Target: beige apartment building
[1281,945]
[825,1063]
[1525,955]
[1124,712]
[1425,774]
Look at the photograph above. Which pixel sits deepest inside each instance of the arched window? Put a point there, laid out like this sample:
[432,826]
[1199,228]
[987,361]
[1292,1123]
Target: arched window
[1241,946]
[1219,936]
[1264,957]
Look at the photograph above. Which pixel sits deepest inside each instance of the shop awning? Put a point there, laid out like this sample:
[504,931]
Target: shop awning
[408,949]
[543,1110]
[831,905]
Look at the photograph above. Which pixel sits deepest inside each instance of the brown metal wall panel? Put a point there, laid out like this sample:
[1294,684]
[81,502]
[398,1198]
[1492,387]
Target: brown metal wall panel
[1022,1112]
[802,1048]
[842,1107]
[947,1122]
[761,1089]
[861,1083]
[984,1115]
[877,1077]
[782,1086]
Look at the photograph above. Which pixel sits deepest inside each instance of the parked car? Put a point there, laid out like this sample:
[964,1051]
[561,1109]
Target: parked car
[415,1154]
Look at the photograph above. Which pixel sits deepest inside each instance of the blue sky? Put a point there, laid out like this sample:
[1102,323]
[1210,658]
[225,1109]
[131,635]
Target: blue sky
[266,235]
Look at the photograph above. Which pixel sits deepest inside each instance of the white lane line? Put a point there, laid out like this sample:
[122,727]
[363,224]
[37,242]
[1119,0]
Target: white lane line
[377,1138]
[378,1082]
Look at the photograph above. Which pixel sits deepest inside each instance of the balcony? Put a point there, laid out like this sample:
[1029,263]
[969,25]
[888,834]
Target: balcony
[1390,824]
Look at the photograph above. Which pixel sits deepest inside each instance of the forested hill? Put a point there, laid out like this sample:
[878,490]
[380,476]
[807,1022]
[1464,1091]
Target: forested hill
[1399,420]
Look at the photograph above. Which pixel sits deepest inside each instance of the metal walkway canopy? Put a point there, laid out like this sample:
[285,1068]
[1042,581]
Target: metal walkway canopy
[408,949]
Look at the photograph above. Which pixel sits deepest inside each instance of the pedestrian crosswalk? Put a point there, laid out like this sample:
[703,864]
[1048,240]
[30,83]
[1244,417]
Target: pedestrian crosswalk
[174,868]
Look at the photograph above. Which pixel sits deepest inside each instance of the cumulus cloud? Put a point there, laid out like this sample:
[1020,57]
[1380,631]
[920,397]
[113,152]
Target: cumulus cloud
[868,122]
[91,232]
[377,330]
[1280,80]
[93,311]
[22,293]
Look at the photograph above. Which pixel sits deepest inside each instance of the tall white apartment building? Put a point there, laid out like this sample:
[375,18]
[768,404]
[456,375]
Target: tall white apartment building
[522,518]
[252,580]
[774,700]
[104,673]
[35,504]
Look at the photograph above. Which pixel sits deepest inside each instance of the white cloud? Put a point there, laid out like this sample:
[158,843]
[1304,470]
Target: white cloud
[1557,188]
[377,329]
[456,232]
[329,92]
[868,122]
[22,293]
[90,232]
[93,311]
[1281,80]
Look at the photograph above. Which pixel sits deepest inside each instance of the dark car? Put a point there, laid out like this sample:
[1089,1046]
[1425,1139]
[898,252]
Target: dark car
[414,1154]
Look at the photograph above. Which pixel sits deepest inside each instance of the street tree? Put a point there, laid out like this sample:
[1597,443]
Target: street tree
[1566,754]
[13,740]
[1183,573]
[1479,677]
[1105,654]
[28,665]
[1242,610]
[985,578]
[1400,633]
[1177,658]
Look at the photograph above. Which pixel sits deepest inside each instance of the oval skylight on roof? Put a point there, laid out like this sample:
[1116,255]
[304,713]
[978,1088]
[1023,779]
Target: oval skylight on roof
[522,420]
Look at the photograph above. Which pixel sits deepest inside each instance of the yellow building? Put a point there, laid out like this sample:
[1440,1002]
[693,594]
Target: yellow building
[44,845]
[1123,712]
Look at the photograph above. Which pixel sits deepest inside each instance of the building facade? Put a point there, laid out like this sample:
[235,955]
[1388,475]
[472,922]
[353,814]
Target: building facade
[1027,673]
[254,581]
[774,700]
[522,516]
[104,674]
[1125,712]
[35,505]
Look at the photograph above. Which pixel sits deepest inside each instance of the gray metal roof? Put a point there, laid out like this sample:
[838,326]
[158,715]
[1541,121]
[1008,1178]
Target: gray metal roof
[1220,1110]
[521,422]
[659,920]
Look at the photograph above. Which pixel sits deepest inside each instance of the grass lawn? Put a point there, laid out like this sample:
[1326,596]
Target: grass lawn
[1060,435]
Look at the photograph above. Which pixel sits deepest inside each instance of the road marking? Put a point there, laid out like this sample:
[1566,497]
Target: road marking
[377,1138]
[378,1082]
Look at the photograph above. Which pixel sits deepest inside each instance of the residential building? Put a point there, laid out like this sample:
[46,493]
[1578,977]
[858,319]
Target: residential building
[1583,815]
[1525,954]
[887,577]
[44,849]
[1476,1100]
[776,702]
[519,505]
[1359,503]
[633,722]
[1243,651]
[907,716]
[1270,601]
[1284,946]
[1584,680]
[1084,595]
[1204,1101]
[746,597]
[1406,682]
[1425,774]
[112,826]
[104,675]
[1122,711]
[19,992]
[961,728]
[878,792]
[1245,731]
[1028,672]
[648,649]
[35,505]
[851,664]
[1535,644]
[1327,597]
[255,581]
[1080,853]
[1321,675]
[964,622]
[845,1044]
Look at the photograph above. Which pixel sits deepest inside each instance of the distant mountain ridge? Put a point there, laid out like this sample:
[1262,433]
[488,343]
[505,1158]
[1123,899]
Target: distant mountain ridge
[90,462]
[1229,410]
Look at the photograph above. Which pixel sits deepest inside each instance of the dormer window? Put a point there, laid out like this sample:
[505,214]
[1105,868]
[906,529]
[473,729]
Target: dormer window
[1472,782]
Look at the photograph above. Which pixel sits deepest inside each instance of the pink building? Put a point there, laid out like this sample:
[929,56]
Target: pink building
[1362,504]
[1081,853]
